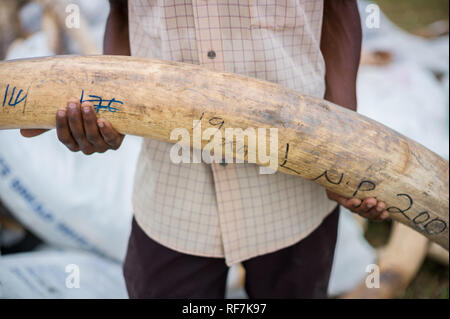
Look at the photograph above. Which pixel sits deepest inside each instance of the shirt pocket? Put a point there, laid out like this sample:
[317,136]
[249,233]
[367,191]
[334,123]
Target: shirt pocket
[276,14]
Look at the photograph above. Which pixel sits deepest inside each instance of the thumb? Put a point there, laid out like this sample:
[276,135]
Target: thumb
[32,132]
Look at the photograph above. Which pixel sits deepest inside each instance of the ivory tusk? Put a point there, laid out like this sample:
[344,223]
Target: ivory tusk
[342,150]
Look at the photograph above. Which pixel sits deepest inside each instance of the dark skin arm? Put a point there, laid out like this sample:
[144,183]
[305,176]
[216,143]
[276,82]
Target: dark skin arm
[341,48]
[77,125]
[116,40]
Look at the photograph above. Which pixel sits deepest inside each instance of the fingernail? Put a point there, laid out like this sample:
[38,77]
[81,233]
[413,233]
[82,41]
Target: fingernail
[86,109]
[101,124]
[72,106]
[380,209]
[369,206]
[61,113]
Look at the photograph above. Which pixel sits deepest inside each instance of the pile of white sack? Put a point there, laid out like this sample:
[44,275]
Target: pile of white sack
[81,206]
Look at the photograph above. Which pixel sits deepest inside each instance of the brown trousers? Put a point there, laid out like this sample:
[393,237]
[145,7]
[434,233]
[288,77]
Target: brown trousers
[298,271]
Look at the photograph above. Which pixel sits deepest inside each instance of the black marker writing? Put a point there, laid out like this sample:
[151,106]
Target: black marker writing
[285,160]
[365,186]
[325,174]
[396,210]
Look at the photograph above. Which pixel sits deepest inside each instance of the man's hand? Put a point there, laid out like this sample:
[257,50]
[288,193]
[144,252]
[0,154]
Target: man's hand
[79,129]
[370,208]
[341,48]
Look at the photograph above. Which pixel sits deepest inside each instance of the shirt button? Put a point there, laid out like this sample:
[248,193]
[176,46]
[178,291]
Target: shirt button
[211,54]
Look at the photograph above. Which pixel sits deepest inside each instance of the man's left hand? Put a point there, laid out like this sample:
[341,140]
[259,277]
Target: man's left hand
[369,208]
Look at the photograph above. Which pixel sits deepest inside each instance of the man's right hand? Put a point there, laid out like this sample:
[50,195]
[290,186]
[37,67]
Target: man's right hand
[80,130]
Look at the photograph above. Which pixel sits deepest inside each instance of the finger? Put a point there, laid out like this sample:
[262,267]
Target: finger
[371,214]
[110,135]
[369,203]
[63,131]
[385,215]
[381,207]
[382,213]
[382,217]
[76,124]
[32,132]
[353,203]
[93,135]
[89,150]
[365,205]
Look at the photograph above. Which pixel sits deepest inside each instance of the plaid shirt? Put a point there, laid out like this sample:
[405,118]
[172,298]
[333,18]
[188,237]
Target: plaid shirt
[229,211]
